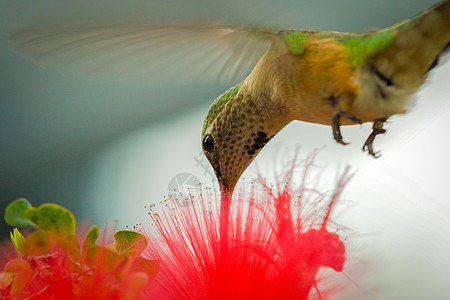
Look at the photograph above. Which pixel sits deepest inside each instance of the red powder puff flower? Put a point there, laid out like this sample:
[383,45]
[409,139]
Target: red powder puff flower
[50,264]
[271,245]
[275,243]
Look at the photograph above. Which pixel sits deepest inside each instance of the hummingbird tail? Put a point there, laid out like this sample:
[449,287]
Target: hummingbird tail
[417,45]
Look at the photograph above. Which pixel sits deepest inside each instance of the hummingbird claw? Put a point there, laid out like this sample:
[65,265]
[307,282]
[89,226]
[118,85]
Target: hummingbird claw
[336,125]
[336,128]
[377,129]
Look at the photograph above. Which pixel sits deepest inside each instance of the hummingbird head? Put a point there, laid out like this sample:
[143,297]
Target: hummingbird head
[233,133]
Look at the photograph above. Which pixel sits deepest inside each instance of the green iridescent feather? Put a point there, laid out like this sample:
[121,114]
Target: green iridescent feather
[360,47]
[296,40]
[221,101]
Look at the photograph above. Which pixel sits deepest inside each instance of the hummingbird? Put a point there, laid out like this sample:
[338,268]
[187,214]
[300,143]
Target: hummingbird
[323,77]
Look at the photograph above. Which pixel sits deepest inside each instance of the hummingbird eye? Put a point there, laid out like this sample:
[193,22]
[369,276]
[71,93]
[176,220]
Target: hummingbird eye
[208,143]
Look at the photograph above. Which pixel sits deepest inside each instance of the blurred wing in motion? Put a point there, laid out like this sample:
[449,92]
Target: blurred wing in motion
[228,53]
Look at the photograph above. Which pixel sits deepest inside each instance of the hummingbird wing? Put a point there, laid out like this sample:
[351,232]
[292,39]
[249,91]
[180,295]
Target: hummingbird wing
[146,52]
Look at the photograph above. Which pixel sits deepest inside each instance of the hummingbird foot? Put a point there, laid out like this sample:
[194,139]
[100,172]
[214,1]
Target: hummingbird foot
[377,128]
[336,125]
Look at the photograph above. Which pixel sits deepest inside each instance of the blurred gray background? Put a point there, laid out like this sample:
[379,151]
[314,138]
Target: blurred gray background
[105,148]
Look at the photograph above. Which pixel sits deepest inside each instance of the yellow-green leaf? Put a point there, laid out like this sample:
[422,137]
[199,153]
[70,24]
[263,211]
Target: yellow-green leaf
[53,218]
[18,240]
[103,259]
[91,237]
[129,242]
[37,243]
[70,246]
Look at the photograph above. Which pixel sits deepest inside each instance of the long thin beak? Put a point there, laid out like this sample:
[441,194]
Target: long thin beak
[226,193]
[225,205]
[225,196]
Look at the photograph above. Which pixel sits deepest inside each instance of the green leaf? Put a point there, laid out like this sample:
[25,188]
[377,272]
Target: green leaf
[129,242]
[103,259]
[70,246]
[91,238]
[15,213]
[18,240]
[53,218]
[37,243]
